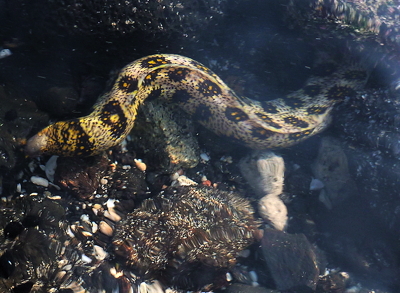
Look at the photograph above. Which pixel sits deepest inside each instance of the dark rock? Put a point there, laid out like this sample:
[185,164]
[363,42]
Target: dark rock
[81,176]
[355,238]
[18,116]
[127,183]
[371,121]
[291,260]
[105,18]
[59,101]
[33,257]
[368,28]
[331,167]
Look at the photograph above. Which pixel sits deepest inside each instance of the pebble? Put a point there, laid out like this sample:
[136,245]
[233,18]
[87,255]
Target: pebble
[105,229]
[70,233]
[54,197]
[40,181]
[100,253]
[97,206]
[140,165]
[112,215]
[95,211]
[67,267]
[86,234]
[229,277]
[174,176]
[206,183]
[85,218]
[205,157]
[95,227]
[253,276]
[113,167]
[47,193]
[61,275]
[183,181]
[113,272]
[110,203]
[124,144]
[19,187]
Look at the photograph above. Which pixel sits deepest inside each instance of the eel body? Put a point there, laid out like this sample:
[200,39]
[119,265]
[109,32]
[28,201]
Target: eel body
[200,92]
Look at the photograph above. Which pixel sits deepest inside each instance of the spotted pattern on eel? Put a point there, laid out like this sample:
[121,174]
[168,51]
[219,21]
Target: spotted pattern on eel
[278,123]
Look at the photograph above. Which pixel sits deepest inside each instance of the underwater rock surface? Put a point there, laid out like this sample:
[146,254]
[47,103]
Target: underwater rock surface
[104,18]
[359,234]
[291,260]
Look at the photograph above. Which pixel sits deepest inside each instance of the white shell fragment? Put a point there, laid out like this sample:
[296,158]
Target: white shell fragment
[86,259]
[50,168]
[40,181]
[254,278]
[19,188]
[110,203]
[5,53]
[316,184]
[95,227]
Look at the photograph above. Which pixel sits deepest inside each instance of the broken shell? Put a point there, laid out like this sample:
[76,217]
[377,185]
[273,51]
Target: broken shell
[40,181]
